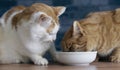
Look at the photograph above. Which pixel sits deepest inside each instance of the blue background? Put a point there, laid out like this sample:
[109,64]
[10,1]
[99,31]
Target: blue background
[76,9]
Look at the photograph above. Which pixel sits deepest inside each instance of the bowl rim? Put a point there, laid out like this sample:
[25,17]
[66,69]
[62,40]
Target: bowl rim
[88,52]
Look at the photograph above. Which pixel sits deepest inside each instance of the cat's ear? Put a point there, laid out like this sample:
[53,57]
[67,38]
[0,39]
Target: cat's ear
[76,28]
[59,10]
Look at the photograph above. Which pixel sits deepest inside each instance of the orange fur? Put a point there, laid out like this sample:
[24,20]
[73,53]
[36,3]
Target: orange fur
[49,10]
[30,29]
[12,10]
[99,31]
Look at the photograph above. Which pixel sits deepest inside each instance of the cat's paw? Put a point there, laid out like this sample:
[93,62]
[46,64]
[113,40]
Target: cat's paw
[115,59]
[40,61]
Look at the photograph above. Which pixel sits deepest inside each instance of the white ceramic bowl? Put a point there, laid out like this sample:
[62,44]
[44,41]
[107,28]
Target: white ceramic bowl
[76,58]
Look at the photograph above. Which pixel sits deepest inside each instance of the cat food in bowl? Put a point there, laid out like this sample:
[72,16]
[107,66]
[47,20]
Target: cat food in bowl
[76,58]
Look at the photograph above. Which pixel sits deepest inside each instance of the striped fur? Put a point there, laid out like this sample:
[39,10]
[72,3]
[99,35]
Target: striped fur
[99,31]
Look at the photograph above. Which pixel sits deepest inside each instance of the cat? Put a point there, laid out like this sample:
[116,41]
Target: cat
[98,31]
[28,32]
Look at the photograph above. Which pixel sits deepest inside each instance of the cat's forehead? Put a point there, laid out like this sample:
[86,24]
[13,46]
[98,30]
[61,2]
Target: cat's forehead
[45,9]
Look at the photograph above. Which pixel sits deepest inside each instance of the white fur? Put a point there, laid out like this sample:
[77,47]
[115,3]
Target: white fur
[30,41]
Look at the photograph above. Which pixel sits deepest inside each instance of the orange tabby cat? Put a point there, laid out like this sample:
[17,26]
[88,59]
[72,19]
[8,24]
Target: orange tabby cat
[99,31]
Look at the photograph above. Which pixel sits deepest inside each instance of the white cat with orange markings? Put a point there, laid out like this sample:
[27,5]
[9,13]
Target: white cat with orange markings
[28,32]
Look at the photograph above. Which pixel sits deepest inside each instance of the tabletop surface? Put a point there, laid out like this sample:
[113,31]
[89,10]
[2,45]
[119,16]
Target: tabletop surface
[92,66]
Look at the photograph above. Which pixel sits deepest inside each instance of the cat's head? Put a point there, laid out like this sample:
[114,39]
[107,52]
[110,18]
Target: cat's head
[40,19]
[74,39]
[81,36]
